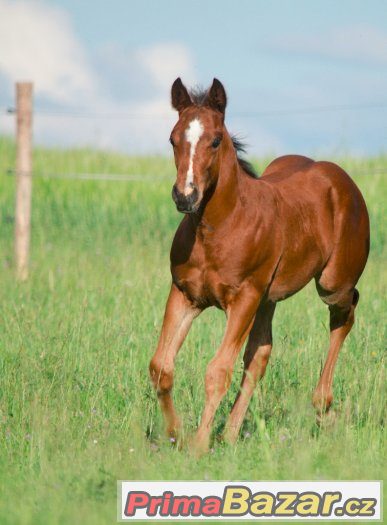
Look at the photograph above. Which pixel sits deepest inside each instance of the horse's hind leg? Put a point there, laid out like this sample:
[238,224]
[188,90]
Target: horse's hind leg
[256,357]
[341,309]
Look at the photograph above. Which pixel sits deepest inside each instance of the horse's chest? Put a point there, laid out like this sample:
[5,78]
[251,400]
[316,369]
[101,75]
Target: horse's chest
[204,280]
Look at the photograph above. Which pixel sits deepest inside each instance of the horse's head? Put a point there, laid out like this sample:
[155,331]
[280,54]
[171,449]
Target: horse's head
[196,141]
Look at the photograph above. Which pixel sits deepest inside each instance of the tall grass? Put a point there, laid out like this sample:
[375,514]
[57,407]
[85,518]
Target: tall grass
[77,411]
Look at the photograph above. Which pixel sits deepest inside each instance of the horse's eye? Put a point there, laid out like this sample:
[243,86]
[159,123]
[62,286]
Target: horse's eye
[216,142]
[171,141]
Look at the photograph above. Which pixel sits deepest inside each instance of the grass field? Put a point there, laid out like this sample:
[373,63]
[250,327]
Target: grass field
[77,411]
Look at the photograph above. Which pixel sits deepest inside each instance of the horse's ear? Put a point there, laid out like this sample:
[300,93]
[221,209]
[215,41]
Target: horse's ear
[217,98]
[179,96]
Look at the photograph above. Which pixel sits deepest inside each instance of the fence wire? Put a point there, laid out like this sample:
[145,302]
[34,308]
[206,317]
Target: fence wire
[150,178]
[130,177]
[74,113]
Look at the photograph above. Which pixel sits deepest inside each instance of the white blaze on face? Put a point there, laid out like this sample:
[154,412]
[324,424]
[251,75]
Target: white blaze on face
[192,134]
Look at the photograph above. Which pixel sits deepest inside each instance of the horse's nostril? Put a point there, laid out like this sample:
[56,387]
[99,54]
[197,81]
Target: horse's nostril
[194,195]
[175,192]
[185,202]
[192,192]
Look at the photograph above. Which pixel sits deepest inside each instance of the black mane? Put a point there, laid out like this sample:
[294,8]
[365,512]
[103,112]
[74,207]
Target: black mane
[240,147]
[199,98]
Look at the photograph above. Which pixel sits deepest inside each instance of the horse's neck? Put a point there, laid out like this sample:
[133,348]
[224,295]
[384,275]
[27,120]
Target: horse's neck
[227,193]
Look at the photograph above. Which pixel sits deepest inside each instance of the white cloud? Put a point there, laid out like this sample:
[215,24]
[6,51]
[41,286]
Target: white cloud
[38,43]
[132,85]
[354,43]
[166,62]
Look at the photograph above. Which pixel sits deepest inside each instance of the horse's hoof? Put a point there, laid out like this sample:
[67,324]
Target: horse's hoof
[197,448]
[326,419]
[175,438]
[229,437]
[199,452]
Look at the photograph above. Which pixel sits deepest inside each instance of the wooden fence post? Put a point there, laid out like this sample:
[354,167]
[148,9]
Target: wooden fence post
[23,177]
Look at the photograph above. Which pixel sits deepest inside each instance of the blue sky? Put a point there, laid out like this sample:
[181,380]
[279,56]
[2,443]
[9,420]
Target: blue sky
[105,68]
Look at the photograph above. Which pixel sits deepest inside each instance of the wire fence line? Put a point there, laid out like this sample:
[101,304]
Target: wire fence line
[149,178]
[152,178]
[110,177]
[73,113]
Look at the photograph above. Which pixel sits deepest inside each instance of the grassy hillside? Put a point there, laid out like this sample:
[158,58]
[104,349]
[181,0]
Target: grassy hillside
[77,411]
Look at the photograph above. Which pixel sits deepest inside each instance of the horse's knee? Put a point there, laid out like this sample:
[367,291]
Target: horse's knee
[253,353]
[264,353]
[161,376]
[255,362]
[218,378]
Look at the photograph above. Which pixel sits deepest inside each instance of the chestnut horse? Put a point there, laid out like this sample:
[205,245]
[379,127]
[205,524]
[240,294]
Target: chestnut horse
[244,244]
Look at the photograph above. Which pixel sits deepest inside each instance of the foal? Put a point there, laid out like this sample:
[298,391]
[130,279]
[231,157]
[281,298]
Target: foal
[246,243]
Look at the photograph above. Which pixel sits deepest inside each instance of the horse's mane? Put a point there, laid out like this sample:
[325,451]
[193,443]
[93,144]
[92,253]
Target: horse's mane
[240,147]
[199,98]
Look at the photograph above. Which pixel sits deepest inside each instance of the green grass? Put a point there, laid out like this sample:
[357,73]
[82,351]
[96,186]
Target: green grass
[77,411]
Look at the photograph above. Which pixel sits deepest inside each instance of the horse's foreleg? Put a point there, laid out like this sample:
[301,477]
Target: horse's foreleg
[341,321]
[219,371]
[178,317]
[255,359]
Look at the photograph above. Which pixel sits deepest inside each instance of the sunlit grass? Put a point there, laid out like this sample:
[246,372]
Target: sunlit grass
[76,408]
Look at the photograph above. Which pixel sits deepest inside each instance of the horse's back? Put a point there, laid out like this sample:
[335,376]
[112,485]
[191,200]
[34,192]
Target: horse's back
[300,178]
[287,164]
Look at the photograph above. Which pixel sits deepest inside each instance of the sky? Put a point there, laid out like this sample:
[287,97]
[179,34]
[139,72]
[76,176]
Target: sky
[302,76]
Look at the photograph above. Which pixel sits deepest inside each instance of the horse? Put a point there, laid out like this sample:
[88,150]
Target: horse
[246,242]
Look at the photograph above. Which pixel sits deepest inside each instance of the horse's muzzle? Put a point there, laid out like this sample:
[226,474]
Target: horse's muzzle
[186,203]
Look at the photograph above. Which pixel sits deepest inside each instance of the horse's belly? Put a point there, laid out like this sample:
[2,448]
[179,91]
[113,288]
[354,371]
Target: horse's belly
[292,275]
[280,290]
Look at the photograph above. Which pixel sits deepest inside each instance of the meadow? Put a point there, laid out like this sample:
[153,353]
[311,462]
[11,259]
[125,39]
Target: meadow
[77,411]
